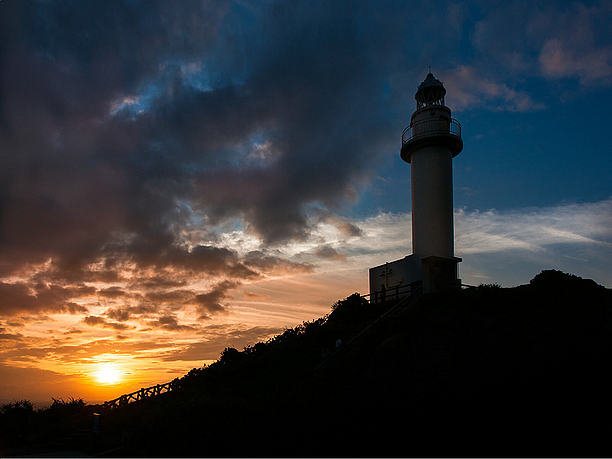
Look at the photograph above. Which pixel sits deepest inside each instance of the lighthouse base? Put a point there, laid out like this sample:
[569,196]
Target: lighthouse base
[412,274]
[440,274]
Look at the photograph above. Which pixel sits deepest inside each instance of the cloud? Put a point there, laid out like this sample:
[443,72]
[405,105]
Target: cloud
[521,34]
[330,253]
[67,351]
[169,296]
[125,313]
[120,315]
[534,229]
[578,44]
[73,331]
[95,321]
[20,297]
[210,302]
[10,336]
[169,322]
[275,265]
[156,282]
[113,292]
[553,39]
[562,59]
[217,340]
[347,227]
[468,88]
[256,296]
[508,244]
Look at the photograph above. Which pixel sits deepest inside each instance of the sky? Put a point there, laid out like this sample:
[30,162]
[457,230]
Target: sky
[179,177]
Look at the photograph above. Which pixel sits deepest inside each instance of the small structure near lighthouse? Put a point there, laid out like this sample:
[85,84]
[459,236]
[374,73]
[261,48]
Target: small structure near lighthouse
[429,144]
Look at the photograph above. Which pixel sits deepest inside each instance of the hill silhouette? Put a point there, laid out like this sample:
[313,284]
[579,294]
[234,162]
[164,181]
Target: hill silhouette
[486,371]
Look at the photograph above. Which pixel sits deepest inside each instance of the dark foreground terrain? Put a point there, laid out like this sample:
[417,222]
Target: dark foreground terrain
[487,371]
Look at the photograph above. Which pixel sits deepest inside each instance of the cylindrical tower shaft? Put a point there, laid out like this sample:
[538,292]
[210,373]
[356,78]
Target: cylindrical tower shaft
[432,202]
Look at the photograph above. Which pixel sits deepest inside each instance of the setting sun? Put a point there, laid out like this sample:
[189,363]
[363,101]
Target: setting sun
[108,374]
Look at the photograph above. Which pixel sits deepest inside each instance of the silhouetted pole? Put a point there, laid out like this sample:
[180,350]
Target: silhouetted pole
[96,422]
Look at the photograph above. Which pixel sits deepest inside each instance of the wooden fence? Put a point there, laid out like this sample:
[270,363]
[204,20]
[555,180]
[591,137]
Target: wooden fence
[142,394]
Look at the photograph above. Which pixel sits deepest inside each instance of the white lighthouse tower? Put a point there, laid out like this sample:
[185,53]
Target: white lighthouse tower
[429,144]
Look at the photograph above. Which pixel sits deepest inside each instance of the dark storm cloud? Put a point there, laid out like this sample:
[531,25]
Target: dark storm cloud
[113,292]
[125,313]
[95,321]
[9,336]
[83,178]
[170,323]
[34,299]
[162,301]
[170,296]
[122,124]
[157,282]
[210,302]
[120,315]
[260,261]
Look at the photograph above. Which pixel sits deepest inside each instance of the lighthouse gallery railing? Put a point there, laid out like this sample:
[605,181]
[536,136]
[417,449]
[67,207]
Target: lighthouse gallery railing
[431,127]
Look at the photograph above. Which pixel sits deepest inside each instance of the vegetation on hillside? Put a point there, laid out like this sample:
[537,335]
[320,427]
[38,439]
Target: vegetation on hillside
[485,371]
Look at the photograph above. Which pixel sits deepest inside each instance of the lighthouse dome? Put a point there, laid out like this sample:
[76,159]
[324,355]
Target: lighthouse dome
[430,92]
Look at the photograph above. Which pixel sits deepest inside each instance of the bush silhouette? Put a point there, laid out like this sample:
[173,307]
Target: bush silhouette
[17,408]
[554,279]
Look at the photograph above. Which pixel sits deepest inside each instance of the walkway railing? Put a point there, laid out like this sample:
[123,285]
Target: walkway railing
[390,294]
[142,394]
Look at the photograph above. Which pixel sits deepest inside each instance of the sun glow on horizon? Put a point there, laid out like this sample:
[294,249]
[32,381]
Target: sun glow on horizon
[108,374]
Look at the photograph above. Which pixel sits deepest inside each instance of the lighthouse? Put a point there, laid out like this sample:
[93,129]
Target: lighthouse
[429,144]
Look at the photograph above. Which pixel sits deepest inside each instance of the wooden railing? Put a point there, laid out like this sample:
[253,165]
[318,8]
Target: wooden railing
[390,294]
[142,394]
